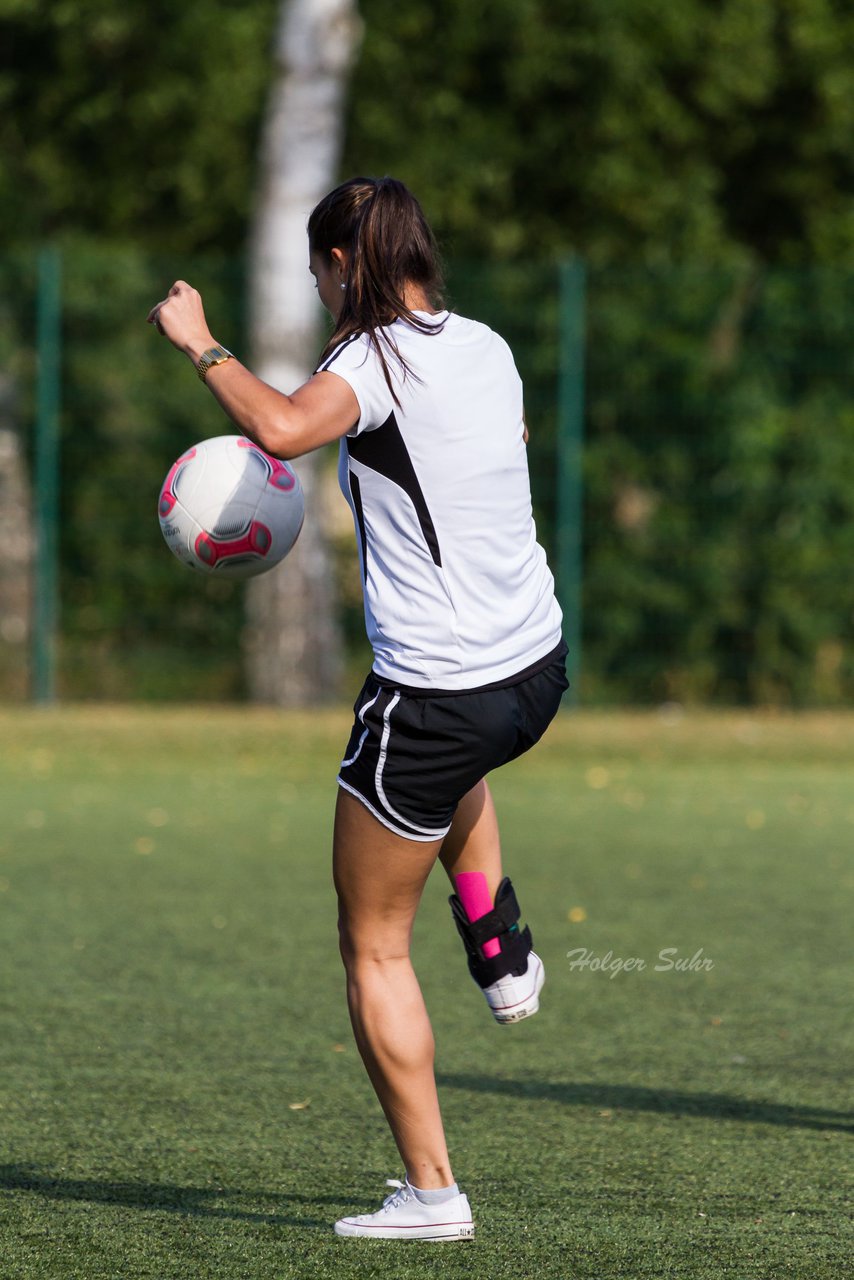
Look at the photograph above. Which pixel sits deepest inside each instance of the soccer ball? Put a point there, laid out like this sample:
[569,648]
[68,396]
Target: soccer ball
[226,507]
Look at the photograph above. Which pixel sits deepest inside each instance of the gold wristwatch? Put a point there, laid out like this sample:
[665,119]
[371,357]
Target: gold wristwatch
[213,355]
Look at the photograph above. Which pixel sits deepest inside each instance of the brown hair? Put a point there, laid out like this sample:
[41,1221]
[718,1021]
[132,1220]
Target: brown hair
[382,227]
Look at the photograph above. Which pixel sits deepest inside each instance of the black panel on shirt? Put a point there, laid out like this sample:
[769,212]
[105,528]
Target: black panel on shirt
[356,491]
[384,451]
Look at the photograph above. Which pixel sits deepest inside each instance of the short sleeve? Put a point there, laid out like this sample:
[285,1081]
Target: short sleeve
[356,361]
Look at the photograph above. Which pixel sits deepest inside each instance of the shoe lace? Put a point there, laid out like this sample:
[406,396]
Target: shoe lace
[398,1197]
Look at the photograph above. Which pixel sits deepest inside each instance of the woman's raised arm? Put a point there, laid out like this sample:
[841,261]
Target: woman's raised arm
[323,409]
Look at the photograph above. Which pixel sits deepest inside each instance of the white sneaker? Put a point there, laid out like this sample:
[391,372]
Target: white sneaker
[404,1217]
[517,996]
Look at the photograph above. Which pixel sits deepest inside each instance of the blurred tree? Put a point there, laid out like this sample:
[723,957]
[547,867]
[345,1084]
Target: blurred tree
[637,134]
[293,645]
[630,130]
[17,543]
[132,121]
[627,130]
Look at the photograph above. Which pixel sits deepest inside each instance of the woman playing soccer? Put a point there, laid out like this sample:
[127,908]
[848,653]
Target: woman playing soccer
[468,666]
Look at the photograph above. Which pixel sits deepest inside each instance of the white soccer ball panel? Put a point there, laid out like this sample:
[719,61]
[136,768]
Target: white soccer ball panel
[181,532]
[226,507]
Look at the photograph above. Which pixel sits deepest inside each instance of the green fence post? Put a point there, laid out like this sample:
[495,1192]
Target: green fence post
[570,442]
[46,475]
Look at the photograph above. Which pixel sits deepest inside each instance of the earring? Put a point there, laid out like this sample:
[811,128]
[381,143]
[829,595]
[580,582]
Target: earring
[343,284]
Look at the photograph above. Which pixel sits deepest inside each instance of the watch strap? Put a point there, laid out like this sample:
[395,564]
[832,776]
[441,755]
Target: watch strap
[213,355]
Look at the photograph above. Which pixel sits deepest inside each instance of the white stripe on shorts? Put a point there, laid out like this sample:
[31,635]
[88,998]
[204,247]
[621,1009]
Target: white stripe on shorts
[427,833]
[362,711]
[345,786]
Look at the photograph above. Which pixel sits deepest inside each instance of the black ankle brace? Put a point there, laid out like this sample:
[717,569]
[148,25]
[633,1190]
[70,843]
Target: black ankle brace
[499,923]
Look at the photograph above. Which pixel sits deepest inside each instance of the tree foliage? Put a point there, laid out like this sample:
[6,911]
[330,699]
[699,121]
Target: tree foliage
[631,130]
[132,121]
[696,156]
[719,482]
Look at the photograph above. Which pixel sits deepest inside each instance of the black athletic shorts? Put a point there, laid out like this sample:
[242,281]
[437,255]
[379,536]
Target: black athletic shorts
[414,753]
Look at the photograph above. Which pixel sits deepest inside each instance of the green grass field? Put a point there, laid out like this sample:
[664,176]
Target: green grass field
[179,1092]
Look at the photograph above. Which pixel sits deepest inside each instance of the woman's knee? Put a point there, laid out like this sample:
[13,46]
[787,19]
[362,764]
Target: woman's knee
[367,943]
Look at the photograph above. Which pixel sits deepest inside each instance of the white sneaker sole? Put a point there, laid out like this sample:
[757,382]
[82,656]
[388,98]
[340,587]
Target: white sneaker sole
[528,1004]
[434,1231]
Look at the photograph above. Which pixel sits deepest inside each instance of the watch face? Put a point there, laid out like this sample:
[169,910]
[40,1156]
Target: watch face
[213,356]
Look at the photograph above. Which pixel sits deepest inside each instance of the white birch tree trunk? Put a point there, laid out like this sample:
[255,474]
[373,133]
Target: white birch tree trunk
[292,646]
[18,542]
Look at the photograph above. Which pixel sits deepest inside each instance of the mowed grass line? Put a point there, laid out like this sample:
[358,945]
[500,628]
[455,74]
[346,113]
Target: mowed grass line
[179,1091]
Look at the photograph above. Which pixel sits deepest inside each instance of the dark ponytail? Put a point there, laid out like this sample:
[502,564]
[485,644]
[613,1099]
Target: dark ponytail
[389,244]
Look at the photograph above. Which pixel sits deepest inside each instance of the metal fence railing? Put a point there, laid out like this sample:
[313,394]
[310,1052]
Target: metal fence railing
[692,437]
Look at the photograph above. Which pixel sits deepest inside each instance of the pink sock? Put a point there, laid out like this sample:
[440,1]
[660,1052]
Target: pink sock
[474,895]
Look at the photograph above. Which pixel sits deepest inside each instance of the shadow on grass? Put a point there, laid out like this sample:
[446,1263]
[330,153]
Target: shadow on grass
[669,1102]
[191,1201]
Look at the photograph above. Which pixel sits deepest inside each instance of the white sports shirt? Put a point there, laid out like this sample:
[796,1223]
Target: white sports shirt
[457,590]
